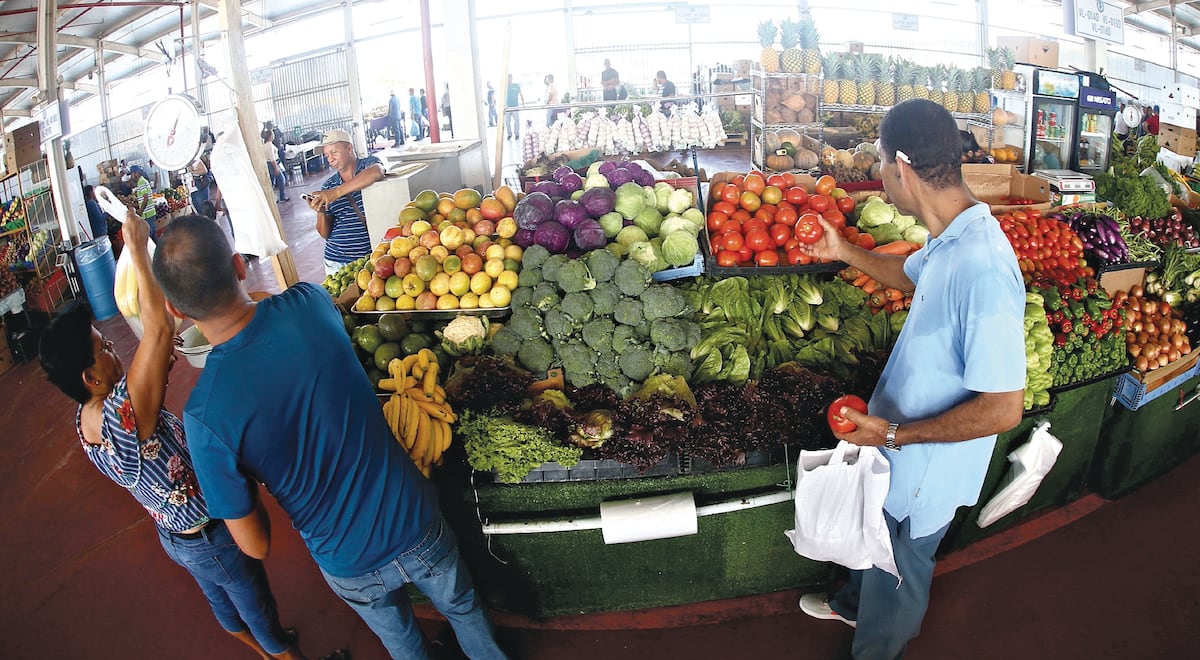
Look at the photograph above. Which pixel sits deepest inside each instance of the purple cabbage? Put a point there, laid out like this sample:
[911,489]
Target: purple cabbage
[523,237]
[590,236]
[562,172]
[552,236]
[633,168]
[570,183]
[534,209]
[644,178]
[598,201]
[618,177]
[569,213]
[607,167]
[550,188]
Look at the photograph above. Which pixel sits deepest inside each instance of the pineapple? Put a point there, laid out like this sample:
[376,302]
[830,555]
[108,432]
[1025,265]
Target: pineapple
[995,60]
[966,92]
[769,59]
[1008,78]
[810,46]
[937,75]
[865,67]
[920,81]
[833,72]
[953,76]
[983,100]
[793,58]
[847,89]
[904,80]
[885,88]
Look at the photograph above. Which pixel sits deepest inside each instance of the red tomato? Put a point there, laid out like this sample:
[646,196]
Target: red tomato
[846,205]
[769,209]
[731,194]
[754,183]
[789,179]
[741,215]
[835,218]
[738,180]
[752,224]
[808,229]
[727,259]
[795,256]
[786,216]
[733,241]
[826,184]
[780,233]
[796,195]
[865,241]
[715,220]
[791,244]
[716,243]
[819,203]
[850,233]
[767,258]
[777,180]
[724,207]
[763,216]
[839,424]
[758,240]
[746,256]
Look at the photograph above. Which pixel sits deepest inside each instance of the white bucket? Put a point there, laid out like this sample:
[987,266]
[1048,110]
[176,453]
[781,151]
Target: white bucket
[195,347]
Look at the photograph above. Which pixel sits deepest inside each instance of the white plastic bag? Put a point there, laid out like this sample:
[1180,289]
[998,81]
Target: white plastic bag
[125,289]
[254,228]
[839,507]
[1030,464]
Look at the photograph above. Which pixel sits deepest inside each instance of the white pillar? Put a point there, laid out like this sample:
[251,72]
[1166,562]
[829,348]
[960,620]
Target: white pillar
[356,114]
[47,53]
[102,79]
[466,85]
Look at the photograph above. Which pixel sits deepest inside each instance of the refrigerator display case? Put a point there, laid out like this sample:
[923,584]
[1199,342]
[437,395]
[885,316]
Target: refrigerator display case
[1097,114]
[1053,120]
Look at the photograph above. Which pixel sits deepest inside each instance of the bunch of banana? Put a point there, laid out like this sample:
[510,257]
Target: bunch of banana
[417,411]
[125,290]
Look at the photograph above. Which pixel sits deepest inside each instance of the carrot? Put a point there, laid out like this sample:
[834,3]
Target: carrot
[901,248]
[850,273]
[861,280]
[896,306]
[870,287]
[893,294]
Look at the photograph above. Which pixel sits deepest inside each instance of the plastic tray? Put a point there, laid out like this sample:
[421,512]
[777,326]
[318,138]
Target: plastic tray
[595,469]
[1133,393]
[440,314]
[1042,410]
[694,270]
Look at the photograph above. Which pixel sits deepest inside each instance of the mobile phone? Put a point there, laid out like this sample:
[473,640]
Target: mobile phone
[306,197]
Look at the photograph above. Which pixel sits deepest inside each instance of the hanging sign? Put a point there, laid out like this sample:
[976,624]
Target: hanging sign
[49,119]
[1095,19]
[907,22]
[688,14]
[1097,99]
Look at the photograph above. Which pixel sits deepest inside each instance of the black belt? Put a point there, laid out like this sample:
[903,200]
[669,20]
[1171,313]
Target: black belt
[198,533]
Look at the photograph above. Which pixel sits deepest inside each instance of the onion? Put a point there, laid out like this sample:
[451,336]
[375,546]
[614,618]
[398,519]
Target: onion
[1136,326]
[1164,326]
[1141,363]
[1173,355]
[1135,350]
[1177,340]
[1150,351]
[1136,291]
[1162,360]
[1143,338]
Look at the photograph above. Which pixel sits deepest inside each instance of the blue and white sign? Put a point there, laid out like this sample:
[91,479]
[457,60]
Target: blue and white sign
[1097,99]
[1095,19]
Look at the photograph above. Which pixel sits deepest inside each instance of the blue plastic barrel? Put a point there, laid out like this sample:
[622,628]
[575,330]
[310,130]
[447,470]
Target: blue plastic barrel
[98,270]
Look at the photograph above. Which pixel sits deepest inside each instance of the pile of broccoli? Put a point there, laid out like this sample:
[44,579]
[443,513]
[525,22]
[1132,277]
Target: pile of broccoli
[601,318]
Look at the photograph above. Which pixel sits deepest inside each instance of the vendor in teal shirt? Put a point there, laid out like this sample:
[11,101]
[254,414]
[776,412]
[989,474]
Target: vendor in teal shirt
[954,380]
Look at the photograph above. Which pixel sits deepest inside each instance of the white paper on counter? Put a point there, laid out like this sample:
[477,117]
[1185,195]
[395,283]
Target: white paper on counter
[648,518]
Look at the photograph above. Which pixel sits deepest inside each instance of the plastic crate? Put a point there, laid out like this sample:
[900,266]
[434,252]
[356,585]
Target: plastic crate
[1133,393]
[694,270]
[595,469]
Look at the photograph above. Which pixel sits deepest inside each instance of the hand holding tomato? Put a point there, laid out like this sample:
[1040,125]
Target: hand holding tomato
[848,419]
[839,411]
[827,246]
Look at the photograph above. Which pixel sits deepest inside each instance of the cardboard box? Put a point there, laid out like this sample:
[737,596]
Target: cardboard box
[741,68]
[1031,50]
[1178,139]
[992,183]
[22,146]
[1183,95]
[1121,279]
[1177,114]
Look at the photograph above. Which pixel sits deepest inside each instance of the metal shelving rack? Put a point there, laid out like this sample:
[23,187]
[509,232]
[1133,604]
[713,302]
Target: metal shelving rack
[1020,104]
[45,281]
[759,126]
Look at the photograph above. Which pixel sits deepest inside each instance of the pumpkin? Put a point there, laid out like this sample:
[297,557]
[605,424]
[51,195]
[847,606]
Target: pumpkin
[771,140]
[999,117]
[863,161]
[873,173]
[789,135]
[805,116]
[795,103]
[780,163]
[810,100]
[805,159]
[844,158]
[774,117]
[788,148]
[773,99]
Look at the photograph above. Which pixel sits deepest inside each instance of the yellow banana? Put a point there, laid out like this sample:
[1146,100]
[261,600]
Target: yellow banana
[409,414]
[394,417]
[387,384]
[435,441]
[421,445]
[446,435]
[418,394]
[429,381]
[423,359]
[397,370]
[437,411]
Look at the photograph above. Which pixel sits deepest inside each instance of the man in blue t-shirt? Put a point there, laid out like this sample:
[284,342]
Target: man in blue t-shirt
[341,220]
[954,380]
[283,401]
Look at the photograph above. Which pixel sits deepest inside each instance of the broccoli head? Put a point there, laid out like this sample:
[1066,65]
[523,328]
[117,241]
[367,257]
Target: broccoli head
[534,256]
[669,334]
[604,298]
[628,312]
[660,301]
[678,363]
[543,297]
[598,334]
[578,306]
[602,264]
[631,278]
[637,363]
[529,277]
[579,363]
[536,355]
[526,322]
[609,374]
[694,334]
[558,325]
[551,266]
[624,337]
[521,297]
[506,342]
[573,277]
[642,330]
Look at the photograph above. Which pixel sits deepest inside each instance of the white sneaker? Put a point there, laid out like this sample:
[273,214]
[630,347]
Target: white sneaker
[817,606]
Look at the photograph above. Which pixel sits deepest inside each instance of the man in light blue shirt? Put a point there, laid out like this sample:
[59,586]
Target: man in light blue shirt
[955,378]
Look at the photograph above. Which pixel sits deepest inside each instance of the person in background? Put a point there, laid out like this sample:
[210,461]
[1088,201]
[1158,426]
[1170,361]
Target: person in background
[198,182]
[1121,128]
[323,450]
[610,80]
[270,153]
[446,108]
[129,436]
[1152,121]
[551,97]
[513,99]
[424,114]
[143,195]
[953,381]
[339,205]
[414,111]
[395,120]
[97,218]
[491,105]
[666,87]
[971,151]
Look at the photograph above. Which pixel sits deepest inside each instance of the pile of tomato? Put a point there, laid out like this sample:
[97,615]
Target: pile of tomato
[761,220]
[1047,249]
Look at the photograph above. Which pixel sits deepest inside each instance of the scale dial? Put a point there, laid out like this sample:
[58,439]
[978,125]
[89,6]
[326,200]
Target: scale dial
[173,128]
[1131,115]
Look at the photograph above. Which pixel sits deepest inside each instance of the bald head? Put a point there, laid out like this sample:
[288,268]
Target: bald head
[193,264]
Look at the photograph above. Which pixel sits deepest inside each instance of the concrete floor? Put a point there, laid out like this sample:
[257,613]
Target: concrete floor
[84,576]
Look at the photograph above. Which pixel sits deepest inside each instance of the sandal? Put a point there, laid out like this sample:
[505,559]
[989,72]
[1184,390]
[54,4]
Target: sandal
[291,637]
[340,654]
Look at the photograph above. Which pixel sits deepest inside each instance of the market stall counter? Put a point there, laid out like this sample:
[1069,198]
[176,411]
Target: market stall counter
[452,165]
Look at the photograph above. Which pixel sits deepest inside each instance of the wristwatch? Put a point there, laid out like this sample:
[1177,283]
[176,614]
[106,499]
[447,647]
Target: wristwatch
[889,438]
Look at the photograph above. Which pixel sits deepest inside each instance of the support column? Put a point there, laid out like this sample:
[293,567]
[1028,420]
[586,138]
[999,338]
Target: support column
[199,94]
[230,13]
[431,92]
[47,53]
[102,78]
[982,17]
[571,84]
[466,83]
[356,114]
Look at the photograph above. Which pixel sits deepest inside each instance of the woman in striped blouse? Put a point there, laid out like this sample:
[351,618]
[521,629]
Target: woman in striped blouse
[135,442]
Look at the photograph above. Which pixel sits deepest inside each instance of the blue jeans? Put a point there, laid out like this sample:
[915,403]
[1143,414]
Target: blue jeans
[888,616]
[234,583]
[434,566]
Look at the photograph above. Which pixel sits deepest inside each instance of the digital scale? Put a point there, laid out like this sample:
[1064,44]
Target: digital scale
[1068,186]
